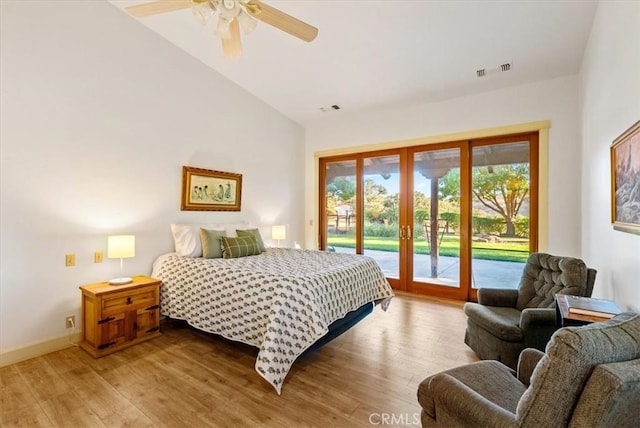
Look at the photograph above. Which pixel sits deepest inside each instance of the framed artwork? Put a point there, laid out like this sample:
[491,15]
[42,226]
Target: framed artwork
[208,190]
[625,181]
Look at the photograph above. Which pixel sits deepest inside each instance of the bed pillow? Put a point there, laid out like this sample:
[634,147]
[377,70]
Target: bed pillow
[211,248]
[186,237]
[240,246]
[255,233]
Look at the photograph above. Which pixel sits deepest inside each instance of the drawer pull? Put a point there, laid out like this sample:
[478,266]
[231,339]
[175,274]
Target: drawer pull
[129,301]
[104,320]
[106,345]
[152,329]
[151,308]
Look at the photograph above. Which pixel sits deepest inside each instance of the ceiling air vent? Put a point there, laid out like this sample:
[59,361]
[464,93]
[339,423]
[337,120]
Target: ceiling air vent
[493,70]
[330,108]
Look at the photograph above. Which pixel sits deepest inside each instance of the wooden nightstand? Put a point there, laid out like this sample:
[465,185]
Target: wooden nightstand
[115,317]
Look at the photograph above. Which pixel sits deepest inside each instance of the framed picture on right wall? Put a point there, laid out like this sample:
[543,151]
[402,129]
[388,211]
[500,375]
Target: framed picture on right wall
[625,181]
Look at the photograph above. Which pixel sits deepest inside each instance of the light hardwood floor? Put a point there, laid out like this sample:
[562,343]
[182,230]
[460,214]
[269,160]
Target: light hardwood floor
[366,377]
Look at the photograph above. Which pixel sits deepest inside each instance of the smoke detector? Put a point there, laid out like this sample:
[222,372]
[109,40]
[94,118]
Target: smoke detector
[502,68]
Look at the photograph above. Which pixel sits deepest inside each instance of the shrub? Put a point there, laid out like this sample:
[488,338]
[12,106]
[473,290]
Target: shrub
[522,226]
[380,229]
[488,225]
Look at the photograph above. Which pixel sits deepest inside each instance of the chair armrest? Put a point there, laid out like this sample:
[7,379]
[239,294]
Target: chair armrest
[465,407]
[527,362]
[537,317]
[537,325]
[497,297]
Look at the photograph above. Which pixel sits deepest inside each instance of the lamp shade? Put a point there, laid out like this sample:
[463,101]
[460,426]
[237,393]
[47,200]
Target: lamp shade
[121,246]
[279,232]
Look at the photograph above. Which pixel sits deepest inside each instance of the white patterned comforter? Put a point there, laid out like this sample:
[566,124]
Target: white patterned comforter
[280,301]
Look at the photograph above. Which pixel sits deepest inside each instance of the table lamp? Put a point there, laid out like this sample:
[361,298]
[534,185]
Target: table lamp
[278,232]
[121,247]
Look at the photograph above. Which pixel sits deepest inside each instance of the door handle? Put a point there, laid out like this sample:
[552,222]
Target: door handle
[401,232]
[408,232]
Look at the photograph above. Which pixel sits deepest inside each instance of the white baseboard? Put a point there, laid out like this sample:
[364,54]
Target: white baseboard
[39,348]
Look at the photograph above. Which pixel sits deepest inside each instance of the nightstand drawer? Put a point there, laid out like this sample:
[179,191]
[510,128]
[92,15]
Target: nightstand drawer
[130,300]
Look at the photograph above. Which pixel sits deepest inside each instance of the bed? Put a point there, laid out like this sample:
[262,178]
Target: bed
[282,301]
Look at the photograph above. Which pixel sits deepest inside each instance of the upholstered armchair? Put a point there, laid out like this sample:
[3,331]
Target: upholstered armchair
[504,322]
[589,377]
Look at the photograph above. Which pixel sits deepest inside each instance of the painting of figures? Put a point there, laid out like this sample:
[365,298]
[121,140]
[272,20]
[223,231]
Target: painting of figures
[208,190]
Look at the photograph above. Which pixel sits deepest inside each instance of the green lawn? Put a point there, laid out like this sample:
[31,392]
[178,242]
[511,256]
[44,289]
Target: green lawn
[511,249]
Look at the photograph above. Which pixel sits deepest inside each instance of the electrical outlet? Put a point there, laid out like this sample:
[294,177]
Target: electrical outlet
[70,321]
[97,257]
[70,260]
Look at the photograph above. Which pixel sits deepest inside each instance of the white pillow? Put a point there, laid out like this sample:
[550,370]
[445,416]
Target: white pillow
[231,228]
[186,237]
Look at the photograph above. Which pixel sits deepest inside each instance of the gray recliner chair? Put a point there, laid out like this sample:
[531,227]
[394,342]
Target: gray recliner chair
[504,322]
[588,377]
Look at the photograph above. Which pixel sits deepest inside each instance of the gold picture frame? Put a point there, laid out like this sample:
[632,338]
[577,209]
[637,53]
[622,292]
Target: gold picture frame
[625,181]
[209,190]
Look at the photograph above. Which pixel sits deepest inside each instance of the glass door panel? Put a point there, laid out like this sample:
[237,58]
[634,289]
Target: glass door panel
[381,186]
[436,217]
[340,206]
[501,188]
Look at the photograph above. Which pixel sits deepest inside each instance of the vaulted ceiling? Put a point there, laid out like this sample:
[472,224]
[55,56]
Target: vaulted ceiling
[381,54]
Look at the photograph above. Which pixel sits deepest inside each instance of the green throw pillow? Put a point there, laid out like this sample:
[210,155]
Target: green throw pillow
[211,248]
[239,247]
[253,232]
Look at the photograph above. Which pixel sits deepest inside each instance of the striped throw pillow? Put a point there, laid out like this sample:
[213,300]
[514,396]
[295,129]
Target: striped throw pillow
[241,246]
[253,232]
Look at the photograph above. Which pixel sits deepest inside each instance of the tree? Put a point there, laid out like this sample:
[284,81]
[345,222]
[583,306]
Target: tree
[391,204]
[420,201]
[375,197]
[502,189]
[449,187]
[342,189]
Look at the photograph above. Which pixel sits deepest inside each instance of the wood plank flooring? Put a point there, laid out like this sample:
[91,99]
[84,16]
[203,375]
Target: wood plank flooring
[186,378]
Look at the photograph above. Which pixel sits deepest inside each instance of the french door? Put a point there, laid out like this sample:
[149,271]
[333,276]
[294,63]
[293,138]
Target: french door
[442,219]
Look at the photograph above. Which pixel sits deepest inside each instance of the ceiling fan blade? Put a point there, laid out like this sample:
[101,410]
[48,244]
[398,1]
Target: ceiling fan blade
[232,47]
[156,7]
[281,20]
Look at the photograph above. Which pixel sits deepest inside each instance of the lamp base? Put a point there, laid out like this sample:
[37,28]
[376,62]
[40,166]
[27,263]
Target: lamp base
[120,281]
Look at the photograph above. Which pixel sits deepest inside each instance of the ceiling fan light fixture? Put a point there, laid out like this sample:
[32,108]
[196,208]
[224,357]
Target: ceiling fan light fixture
[232,47]
[229,8]
[223,29]
[247,23]
[202,11]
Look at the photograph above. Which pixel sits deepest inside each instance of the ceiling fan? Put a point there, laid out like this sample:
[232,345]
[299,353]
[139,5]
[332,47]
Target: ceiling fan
[233,16]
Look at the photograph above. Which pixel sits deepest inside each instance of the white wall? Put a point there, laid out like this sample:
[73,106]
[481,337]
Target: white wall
[555,100]
[98,116]
[610,91]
